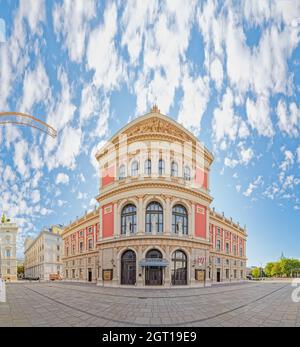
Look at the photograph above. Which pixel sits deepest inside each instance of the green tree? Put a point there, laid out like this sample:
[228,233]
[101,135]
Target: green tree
[3,218]
[288,266]
[256,272]
[276,270]
[268,269]
[20,269]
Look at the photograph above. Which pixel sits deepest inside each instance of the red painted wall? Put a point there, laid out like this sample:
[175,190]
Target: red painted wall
[108,176]
[108,221]
[200,222]
[201,178]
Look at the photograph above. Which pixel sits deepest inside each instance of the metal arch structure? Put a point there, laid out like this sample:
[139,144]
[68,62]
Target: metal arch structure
[18,118]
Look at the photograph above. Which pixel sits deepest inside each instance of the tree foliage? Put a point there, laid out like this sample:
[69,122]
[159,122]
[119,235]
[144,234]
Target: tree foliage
[284,267]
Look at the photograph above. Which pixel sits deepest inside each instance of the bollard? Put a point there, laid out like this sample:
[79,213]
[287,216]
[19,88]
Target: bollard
[2,291]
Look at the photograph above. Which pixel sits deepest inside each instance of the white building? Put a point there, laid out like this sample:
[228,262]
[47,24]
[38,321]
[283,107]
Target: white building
[8,258]
[43,255]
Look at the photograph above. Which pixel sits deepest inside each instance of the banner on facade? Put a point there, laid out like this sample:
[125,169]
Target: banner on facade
[2,291]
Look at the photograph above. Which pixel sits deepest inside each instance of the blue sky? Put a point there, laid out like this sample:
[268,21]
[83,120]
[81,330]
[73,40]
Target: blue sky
[228,70]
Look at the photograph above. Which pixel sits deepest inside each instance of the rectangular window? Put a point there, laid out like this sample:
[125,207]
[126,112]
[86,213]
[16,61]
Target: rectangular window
[241,251]
[81,247]
[73,273]
[227,247]
[234,272]
[91,245]
[218,245]
[218,260]
[227,274]
[242,274]
[219,231]
[234,249]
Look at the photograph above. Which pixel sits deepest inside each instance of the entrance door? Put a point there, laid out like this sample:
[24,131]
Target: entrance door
[90,276]
[154,276]
[218,275]
[128,268]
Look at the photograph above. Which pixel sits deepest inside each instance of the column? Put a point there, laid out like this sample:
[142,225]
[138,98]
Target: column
[139,269]
[168,216]
[141,216]
[100,267]
[167,269]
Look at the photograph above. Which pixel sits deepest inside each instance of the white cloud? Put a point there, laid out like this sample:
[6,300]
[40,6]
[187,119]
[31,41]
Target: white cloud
[298,154]
[230,162]
[35,196]
[70,21]
[102,55]
[62,111]
[21,152]
[194,101]
[246,155]
[288,123]
[216,72]
[258,114]
[225,123]
[36,88]
[165,44]
[253,186]
[90,104]
[69,148]
[62,178]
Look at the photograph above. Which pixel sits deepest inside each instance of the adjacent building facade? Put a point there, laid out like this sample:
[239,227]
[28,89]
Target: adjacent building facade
[8,251]
[81,258]
[43,255]
[154,225]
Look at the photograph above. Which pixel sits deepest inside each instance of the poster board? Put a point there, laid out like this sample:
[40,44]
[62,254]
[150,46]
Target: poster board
[107,275]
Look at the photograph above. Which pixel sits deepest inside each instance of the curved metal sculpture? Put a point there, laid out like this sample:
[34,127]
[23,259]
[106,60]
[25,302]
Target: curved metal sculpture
[19,118]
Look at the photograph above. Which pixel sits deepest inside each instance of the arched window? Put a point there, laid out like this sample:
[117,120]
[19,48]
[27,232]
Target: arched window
[154,218]
[134,168]
[122,174]
[179,268]
[128,219]
[179,220]
[161,167]
[174,169]
[148,167]
[154,253]
[187,173]
[8,254]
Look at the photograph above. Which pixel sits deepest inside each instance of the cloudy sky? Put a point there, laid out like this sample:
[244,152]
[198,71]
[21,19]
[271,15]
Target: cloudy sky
[228,70]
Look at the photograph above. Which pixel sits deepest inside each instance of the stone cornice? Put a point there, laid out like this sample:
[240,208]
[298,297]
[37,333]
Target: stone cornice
[140,185]
[222,220]
[184,240]
[155,125]
[80,221]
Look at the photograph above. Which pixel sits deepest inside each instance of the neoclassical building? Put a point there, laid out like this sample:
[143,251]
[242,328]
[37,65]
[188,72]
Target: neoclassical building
[8,250]
[155,225]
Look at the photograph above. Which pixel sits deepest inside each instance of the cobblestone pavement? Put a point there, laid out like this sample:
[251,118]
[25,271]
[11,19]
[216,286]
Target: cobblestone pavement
[62,304]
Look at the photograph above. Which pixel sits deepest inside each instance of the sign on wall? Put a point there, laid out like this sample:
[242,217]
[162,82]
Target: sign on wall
[200,275]
[107,275]
[2,291]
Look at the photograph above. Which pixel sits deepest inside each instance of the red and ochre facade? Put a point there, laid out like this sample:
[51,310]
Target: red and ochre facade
[154,225]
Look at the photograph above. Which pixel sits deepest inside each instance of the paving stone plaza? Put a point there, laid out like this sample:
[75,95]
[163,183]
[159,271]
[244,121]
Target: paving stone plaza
[78,305]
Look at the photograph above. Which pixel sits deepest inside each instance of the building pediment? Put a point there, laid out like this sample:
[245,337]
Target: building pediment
[156,125]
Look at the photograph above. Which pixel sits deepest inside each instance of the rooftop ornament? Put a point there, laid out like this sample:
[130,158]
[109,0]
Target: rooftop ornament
[18,118]
[155,109]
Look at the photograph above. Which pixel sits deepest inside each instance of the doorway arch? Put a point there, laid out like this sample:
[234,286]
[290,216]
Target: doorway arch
[154,274]
[128,268]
